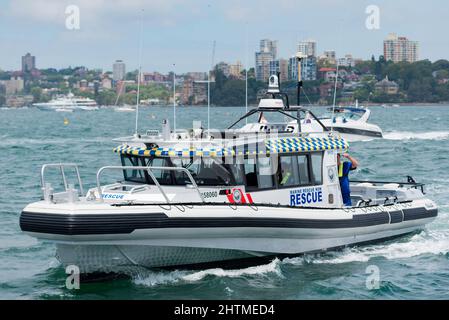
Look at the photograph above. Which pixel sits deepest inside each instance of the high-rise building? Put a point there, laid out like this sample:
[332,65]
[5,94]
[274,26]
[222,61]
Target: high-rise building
[28,63]
[262,68]
[347,61]
[119,70]
[236,69]
[399,49]
[267,53]
[308,68]
[308,48]
[280,65]
[267,45]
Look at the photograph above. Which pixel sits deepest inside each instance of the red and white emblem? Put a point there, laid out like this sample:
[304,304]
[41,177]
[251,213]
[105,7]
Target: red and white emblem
[237,195]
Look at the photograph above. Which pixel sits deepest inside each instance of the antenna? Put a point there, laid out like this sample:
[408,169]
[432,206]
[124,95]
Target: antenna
[246,71]
[174,99]
[335,98]
[299,57]
[208,87]
[139,74]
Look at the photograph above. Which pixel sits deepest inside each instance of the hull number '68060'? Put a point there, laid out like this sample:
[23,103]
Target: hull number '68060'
[210,194]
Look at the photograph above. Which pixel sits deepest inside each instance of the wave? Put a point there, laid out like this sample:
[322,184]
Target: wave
[152,279]
[50,141]
[407,135]
[428,242]
[272,267]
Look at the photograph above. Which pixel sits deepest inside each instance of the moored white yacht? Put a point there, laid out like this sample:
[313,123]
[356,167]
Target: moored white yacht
[195,197]
[68,103]
[351,123]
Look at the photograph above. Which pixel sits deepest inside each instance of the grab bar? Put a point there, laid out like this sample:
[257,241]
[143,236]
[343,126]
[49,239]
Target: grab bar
[61,166]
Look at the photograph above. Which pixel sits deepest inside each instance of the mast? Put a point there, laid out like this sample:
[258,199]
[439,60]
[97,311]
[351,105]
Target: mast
[139,75]
[299,57]
[174,99]
[246,71]
[208,87]
[335,98]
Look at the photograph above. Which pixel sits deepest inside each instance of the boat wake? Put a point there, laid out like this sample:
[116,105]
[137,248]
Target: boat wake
[427,242]
[155,278]
[407,135]
[272,267]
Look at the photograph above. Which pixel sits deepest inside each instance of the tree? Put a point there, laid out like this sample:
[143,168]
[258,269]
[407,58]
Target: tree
[132,76]
[440,65]
[106,98]
[36,92]
[442,74]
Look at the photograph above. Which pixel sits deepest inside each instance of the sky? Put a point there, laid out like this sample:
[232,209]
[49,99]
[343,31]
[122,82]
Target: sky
[179,35]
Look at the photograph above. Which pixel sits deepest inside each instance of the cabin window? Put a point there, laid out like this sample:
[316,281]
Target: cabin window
[130,174]
[288,174]
[303,169]
[164,177]
[238,172]
[258,173]
[205,171]
[265,173]
[317,167]
[299,170]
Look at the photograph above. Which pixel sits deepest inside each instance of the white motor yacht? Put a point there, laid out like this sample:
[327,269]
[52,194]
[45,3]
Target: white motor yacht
[68,103]
[351,123]
[190,198]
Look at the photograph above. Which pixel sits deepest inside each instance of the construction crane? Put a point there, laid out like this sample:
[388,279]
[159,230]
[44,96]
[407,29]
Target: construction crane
[213,54]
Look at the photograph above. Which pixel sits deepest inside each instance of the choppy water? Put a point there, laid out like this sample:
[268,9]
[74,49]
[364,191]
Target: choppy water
[415,267]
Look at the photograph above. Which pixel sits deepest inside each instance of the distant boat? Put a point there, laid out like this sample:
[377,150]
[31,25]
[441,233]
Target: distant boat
[63,110]
[68,102]
[125,108]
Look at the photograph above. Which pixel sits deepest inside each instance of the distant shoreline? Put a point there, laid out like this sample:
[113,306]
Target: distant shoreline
[387,105]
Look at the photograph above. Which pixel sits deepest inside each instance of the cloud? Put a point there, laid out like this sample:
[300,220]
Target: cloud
[53,11]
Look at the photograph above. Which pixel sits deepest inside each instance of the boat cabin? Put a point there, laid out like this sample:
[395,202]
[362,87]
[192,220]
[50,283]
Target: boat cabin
[293,171]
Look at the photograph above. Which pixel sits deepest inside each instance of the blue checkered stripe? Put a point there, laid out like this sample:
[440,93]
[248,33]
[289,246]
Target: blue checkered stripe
[175,152]
[299,144]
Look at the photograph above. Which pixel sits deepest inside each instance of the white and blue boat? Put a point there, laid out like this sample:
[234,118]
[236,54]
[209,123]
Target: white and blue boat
[196,197]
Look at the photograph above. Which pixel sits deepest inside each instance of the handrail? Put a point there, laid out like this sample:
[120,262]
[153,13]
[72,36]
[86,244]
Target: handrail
[152,176]
[61,166]
[283,111]
[414,185]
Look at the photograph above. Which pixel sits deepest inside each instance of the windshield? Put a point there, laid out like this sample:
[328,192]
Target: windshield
[343,113]
[205,171]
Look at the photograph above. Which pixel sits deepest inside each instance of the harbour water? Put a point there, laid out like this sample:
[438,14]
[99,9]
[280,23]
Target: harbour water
[414,267]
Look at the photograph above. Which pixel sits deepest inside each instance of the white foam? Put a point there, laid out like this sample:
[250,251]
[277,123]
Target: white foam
[407,135]
[272,267]
[429,242]
[151,279]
